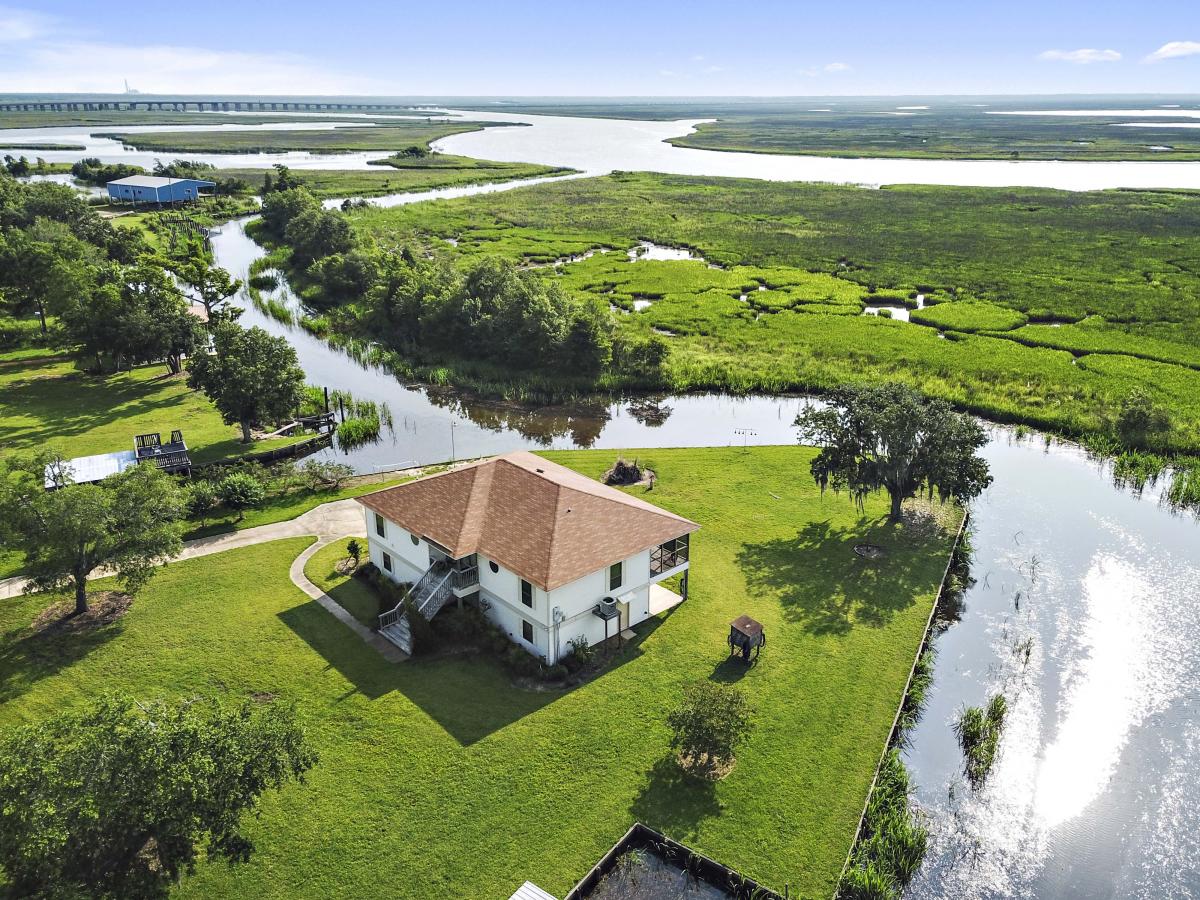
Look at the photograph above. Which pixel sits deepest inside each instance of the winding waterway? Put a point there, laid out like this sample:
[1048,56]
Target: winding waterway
[1086,605]
[598,146]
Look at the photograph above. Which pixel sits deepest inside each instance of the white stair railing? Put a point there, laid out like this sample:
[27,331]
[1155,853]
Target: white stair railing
[429,595]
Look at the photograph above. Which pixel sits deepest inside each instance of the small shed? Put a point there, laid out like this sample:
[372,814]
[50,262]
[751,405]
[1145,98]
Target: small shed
[156,189]
[745,635]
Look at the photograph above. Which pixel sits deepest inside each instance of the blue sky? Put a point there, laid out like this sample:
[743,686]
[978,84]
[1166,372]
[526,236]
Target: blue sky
[615,48]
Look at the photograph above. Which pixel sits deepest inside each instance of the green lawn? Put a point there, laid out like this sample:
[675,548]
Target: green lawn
[438,778]
[358,599]
[48,401]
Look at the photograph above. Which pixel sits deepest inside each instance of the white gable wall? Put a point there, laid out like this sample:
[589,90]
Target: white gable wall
[409,561]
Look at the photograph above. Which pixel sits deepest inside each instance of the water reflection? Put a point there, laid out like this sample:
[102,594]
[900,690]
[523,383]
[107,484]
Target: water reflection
[1086,798]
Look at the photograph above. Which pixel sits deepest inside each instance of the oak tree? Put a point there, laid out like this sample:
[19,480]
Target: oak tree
[893,438]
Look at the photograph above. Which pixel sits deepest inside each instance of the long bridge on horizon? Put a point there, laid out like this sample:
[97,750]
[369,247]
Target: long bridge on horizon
[192,104]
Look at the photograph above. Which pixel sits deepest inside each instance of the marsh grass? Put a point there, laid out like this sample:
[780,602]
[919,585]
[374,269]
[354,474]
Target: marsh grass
[1137,469]
[918,688]
[363,420]
[1005,258]
[978,731]
[1184,491]
[356,432]
[868,128]
[893,839]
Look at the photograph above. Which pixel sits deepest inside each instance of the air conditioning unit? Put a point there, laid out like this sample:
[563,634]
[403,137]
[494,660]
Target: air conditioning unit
[608,606]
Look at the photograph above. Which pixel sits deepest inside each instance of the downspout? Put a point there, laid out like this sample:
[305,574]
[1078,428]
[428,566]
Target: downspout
[559,617]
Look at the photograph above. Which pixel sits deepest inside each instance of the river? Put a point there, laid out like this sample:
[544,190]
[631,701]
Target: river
[597,146]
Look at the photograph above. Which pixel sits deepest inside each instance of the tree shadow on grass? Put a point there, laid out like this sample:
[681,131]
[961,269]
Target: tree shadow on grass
[828,588]
[74,404]
[673,802]
[469,694]
[27,655]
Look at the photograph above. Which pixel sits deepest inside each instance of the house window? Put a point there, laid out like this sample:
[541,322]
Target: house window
[492,565]
[527,631]
[615,573]
[527,593]
[380,527]
[387,563]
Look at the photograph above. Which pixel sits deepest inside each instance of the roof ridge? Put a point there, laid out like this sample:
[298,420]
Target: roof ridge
[637,503]
[558,500]
[504,458]
[600,489]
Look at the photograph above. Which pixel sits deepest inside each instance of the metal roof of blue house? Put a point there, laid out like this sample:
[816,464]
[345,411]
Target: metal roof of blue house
[155,181]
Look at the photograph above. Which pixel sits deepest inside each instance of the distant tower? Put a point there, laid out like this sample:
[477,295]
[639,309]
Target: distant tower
[130,90]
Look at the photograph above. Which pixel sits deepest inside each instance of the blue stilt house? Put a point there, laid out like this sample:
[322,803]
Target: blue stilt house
[154,189]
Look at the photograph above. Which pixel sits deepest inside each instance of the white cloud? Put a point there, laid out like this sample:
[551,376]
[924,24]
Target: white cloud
[1174,50]
[699,57]
[21,25]
[714,69]
[668,73]
[1081,57]
[832,68]
[42,55]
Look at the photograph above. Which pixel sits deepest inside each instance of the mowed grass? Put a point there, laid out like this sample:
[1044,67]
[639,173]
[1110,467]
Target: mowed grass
[438,778]
[357,598]
[48,401]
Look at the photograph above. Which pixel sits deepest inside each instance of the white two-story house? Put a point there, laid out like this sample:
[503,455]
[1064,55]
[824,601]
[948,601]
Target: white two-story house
[554,554]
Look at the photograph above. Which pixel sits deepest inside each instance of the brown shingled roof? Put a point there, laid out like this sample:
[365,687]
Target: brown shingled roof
[543,521]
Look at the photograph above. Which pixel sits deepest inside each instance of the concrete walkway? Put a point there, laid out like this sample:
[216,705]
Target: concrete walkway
[386,648]
[341,518]
[328,522]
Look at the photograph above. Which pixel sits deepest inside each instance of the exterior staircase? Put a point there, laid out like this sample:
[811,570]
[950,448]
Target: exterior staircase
[429,595]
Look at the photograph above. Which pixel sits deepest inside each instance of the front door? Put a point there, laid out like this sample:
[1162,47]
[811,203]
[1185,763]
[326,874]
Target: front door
[623,607]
